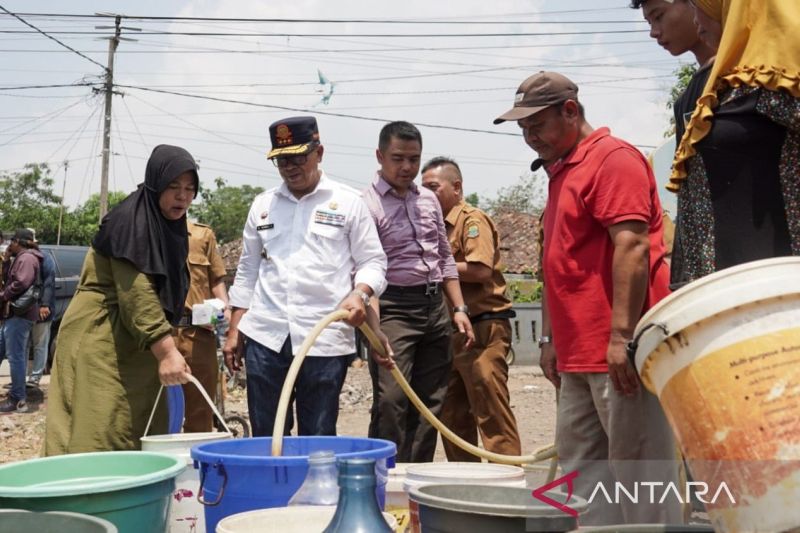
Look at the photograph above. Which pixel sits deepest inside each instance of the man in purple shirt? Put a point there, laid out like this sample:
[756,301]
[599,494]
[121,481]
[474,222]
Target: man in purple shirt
[412,309]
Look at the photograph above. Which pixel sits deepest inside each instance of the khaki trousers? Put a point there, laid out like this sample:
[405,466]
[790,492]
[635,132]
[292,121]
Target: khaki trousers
[199,348]
[610,438]
[477,398]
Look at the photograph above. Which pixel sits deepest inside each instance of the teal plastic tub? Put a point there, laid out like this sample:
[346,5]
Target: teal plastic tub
[12,521]
[132,490]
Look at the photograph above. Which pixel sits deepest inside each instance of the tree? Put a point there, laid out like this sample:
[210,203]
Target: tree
[472,199]
[684,76]
[225,208]
[27,200]
[80,225]
[528,195]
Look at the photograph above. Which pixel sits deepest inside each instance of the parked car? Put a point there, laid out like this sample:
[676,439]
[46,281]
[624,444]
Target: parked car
[69,262]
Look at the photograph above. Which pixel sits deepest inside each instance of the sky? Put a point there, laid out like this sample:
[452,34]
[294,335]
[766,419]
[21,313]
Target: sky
[415,60]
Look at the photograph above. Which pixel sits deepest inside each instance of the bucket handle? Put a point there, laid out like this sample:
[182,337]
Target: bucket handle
[202,392]
[633,344]
[224,475]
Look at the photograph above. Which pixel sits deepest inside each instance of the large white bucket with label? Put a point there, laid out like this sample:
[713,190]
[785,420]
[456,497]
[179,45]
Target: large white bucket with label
[186,514]
[723,356]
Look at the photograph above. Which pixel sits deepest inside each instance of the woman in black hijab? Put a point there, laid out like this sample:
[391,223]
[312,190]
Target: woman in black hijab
[114,345]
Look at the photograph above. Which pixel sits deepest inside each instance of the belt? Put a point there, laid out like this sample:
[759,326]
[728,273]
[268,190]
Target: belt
[428,289]
[489,315]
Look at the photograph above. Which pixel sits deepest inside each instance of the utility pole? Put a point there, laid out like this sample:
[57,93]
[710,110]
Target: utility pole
[113,42]
[61,209]
[112,48]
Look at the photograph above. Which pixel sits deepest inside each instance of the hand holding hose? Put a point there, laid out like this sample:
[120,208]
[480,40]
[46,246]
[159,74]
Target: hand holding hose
[288,386]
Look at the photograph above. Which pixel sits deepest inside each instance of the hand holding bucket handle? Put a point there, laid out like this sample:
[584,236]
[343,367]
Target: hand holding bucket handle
[202,392]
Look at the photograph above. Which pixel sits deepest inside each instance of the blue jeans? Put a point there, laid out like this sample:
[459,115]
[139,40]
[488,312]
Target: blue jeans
[40,339]
[316,391]
[14,345]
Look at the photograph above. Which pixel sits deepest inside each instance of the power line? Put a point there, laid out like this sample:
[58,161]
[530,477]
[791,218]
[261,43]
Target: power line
[37,126]
[60,85]
[52,38]
[76,134]
[427,22]
[187,50]
[197,126]
[149,18]
[361,35]
[315,111]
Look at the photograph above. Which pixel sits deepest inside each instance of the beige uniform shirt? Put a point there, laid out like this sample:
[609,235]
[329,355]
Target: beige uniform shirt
[474,239]
[206,266]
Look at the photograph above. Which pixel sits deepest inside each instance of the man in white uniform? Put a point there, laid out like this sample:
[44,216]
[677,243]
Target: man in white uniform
[309,246]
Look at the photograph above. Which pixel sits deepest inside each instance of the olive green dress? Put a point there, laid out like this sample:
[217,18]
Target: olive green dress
[105,379]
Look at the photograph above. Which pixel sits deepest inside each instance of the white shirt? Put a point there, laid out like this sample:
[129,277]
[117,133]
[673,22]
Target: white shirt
[300,259]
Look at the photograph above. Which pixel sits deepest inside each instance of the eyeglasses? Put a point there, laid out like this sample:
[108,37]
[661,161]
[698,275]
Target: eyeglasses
[296,160]
[285,161]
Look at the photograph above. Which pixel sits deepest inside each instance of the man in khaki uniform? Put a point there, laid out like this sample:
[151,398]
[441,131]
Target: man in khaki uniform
[198,344]
[477,398]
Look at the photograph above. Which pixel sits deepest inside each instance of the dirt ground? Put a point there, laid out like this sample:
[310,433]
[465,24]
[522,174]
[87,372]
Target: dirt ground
[532,399]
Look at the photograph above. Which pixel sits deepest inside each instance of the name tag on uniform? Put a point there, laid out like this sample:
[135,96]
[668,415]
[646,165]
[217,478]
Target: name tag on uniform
[265,226]
[329,218]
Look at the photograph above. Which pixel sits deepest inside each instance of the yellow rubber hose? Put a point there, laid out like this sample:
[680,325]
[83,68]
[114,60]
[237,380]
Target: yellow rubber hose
[542,454]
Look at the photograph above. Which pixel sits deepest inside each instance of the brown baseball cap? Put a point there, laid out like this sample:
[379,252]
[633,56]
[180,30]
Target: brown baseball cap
[539,92]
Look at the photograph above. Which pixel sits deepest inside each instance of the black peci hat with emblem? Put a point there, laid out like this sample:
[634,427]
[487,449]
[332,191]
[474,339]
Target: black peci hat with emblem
[293,136]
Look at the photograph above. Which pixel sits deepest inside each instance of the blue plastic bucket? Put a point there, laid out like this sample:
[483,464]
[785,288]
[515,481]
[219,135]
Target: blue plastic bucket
[240,475]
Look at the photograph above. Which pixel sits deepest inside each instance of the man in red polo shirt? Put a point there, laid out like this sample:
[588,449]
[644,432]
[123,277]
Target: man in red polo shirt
[603,262]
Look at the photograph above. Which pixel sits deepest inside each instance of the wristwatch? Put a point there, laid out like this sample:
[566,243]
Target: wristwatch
[363,295]
[461,309]
[544,339]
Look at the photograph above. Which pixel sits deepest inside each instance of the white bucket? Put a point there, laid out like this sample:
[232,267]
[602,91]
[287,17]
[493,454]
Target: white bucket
[723,356]
[420,474]
[296,519]
[186,514]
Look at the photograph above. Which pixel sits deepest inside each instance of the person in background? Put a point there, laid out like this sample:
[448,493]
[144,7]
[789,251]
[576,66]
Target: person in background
[115,346]
[198,344]
[412,309]
[737,165]
[20,309]
[673,26]
[308,247]
[603,265]
[477,399]
[40,333]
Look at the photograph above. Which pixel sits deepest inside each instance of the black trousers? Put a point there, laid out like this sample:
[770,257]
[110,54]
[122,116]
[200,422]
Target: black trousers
[419,328]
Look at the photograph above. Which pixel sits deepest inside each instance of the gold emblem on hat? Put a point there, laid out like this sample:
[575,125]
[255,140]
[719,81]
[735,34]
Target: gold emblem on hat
[283,134]
[333,206]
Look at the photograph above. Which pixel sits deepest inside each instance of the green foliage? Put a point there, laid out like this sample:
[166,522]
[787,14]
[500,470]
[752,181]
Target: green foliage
[528,195]
[224,208]
[524,290]
[27,201]
[684,76]
[80,225]
[472,199]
